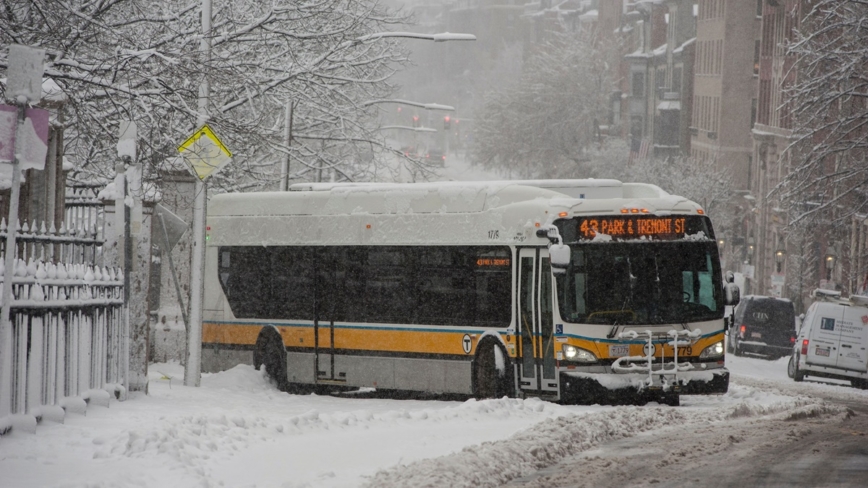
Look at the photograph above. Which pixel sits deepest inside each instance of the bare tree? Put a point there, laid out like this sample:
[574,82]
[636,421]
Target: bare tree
[543,124]
[803,238]
[140,60]
[830,113]
[702,181]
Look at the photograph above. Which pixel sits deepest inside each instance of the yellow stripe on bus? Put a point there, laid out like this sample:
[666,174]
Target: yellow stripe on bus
[368,339]
[409,340]
[601,349]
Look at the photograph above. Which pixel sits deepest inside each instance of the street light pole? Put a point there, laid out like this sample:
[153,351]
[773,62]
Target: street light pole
[287,140]
[23,85]
[193,365]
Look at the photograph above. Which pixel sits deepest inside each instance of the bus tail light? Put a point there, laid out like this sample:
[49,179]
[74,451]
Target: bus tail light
[805,347]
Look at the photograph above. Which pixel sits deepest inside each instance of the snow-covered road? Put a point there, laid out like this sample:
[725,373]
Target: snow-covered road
[238,430]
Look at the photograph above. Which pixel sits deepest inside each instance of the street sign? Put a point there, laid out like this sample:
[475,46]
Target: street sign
[175,226]
[34,134]
[204,153]
[25,73]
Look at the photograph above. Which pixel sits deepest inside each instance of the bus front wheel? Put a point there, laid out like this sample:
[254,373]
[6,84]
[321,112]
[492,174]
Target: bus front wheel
[271,353]
[490,371]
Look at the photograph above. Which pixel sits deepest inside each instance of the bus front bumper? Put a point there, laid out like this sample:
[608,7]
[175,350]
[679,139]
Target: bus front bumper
[630,388]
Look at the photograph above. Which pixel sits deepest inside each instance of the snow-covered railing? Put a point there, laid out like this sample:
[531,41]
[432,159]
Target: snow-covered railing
[78,240]
[69,343]
[70,245]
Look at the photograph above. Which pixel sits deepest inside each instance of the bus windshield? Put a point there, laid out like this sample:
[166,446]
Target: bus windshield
[637,283]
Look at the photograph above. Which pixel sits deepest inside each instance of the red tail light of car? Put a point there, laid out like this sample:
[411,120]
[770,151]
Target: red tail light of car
[741,330]
[805,347]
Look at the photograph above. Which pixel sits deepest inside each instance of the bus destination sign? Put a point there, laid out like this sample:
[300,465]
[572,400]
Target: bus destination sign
[626,227]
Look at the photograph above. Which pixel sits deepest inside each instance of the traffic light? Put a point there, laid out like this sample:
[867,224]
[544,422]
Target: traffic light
[415,121]
[446,122]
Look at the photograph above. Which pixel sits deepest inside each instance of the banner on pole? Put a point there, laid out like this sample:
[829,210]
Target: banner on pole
[34,145]
[25,73]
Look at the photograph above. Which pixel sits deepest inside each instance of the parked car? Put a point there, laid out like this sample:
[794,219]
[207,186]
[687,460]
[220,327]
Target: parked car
[763,326]
[436,157]
[833,340]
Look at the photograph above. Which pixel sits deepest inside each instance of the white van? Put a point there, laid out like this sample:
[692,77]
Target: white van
[833,340]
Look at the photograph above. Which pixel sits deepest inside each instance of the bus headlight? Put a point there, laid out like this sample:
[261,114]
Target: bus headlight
[713,351]
[573,353]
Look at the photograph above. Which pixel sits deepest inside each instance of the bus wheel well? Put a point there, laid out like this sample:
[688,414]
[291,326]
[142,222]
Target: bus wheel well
[270,352]
[492,374]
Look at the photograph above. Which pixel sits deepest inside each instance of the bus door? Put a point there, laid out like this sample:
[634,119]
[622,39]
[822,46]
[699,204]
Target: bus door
[325,310]
[537,367]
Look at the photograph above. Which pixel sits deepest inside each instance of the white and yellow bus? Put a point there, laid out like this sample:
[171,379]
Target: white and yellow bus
[571,290]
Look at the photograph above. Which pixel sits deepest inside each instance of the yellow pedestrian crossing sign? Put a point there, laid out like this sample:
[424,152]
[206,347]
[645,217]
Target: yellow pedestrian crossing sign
[204,153]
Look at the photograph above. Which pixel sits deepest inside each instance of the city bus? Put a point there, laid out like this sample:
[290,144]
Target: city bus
[575,291]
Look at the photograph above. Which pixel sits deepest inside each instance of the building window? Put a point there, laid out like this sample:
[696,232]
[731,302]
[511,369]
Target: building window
[636,126]
[752,112]
[749,171]
[756,58]
[639,85]
[661,81]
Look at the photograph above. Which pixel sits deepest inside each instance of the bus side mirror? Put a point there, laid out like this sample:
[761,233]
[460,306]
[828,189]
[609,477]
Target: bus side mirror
[732,293]
[730,277]
[559,255]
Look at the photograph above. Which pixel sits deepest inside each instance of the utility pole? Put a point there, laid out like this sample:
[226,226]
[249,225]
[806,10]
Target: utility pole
[287,140]
[192,370]
[24,85]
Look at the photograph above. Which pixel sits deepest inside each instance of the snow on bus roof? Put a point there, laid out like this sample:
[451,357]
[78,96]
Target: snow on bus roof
[589,188]
[433,197]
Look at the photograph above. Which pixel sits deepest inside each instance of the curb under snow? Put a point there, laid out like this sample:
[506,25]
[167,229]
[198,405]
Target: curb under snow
[550,441]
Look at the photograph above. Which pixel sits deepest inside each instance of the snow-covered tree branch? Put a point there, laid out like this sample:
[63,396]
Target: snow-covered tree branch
[140,60]
[543,123]
[830,113]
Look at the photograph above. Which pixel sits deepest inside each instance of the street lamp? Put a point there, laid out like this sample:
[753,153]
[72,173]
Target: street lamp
[441,37]
[749,250]
[426,106]
[830,265]
[780,254]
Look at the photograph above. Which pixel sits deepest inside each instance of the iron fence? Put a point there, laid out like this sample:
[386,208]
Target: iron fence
[70,337]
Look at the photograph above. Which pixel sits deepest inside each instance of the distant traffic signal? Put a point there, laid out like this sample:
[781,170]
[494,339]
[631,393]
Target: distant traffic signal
[415,121]
[446,122]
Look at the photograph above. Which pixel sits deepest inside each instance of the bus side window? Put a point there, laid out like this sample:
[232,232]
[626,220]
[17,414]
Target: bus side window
[388,277]
[354,306]
[248,281]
